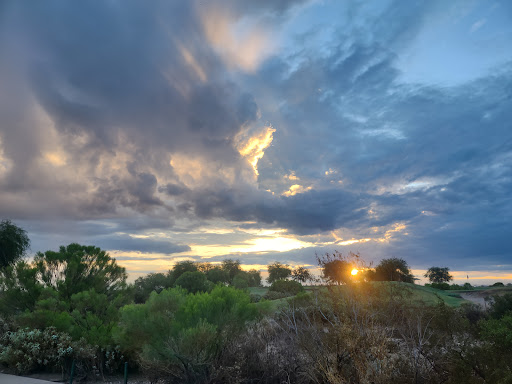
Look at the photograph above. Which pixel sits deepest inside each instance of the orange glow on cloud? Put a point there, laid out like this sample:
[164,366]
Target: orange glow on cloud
[296,189]
[244,48]
[254,147]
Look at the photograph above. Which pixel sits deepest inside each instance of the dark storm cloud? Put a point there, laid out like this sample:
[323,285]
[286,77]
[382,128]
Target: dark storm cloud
[127,85]
[145,245]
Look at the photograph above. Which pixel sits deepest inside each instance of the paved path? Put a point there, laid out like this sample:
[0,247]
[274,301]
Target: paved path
[11,379]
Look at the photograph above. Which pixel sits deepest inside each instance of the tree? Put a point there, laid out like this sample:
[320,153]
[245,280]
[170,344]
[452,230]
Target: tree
[144,285]
[241,280]
[73,269]
[302,275]
[180,268]
[193,282]
[278,271]
[217,275]
[254,278]
[439,275]
[336,268]
[14,243]
[231,267]
[393,269]
[77,268]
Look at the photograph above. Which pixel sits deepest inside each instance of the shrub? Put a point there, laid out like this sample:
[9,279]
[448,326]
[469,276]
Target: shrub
[273,295]
[289,287]
[255,298]
[28,349]
[498,284]
[183,336]
[501,305]
[441,286]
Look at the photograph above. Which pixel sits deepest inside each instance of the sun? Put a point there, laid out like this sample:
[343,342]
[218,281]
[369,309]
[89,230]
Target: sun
[354,271]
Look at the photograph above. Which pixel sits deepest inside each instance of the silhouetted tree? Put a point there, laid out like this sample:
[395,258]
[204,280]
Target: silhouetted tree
[278,271]
[180,268]
[302,275]
[336,268]
[393,269]
[438,275]
[231,267]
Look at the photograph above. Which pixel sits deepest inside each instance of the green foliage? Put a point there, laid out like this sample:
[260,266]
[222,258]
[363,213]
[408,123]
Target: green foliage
[19,288]
[498,331]
[14,243]
[393,269]
[27,350]
[183,336]
[278,271]
[193,282]
[179,269]
[231,267]
[78,268]
[274,295]
[241,280]
[152,282]
[254,278]
[440,286]
[302,275]
[501,306]
[498,284]
[288,287]
[439,275]
[217,275]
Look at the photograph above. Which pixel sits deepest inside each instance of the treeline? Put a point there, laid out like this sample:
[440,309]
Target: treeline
[199,324]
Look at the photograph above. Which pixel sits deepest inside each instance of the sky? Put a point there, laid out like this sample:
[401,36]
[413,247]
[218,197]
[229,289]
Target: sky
[261,130]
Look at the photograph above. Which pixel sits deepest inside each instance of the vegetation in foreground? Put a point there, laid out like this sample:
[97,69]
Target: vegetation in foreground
[202,323]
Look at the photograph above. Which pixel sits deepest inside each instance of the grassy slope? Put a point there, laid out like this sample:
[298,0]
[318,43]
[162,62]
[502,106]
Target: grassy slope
[417,293]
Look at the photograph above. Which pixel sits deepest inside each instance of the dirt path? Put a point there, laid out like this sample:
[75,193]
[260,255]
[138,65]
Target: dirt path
[11,379]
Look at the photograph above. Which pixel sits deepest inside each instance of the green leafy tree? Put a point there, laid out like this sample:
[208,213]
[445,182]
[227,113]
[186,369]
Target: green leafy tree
[231,267]
[193,282]
[217,275]
[77,268]
[302,274]
[278,271]
[14,243]
[144,285]
[180,268]
[20,288]
[254,278]
[393,269]
[439,275]
[241,280]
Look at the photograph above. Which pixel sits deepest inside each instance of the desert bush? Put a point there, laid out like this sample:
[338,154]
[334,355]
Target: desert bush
[255,298]
[181,336]
[27,350]
[273,295]
[440,286]
[288,287]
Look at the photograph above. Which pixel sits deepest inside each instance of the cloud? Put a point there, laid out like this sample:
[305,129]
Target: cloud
[120,121]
